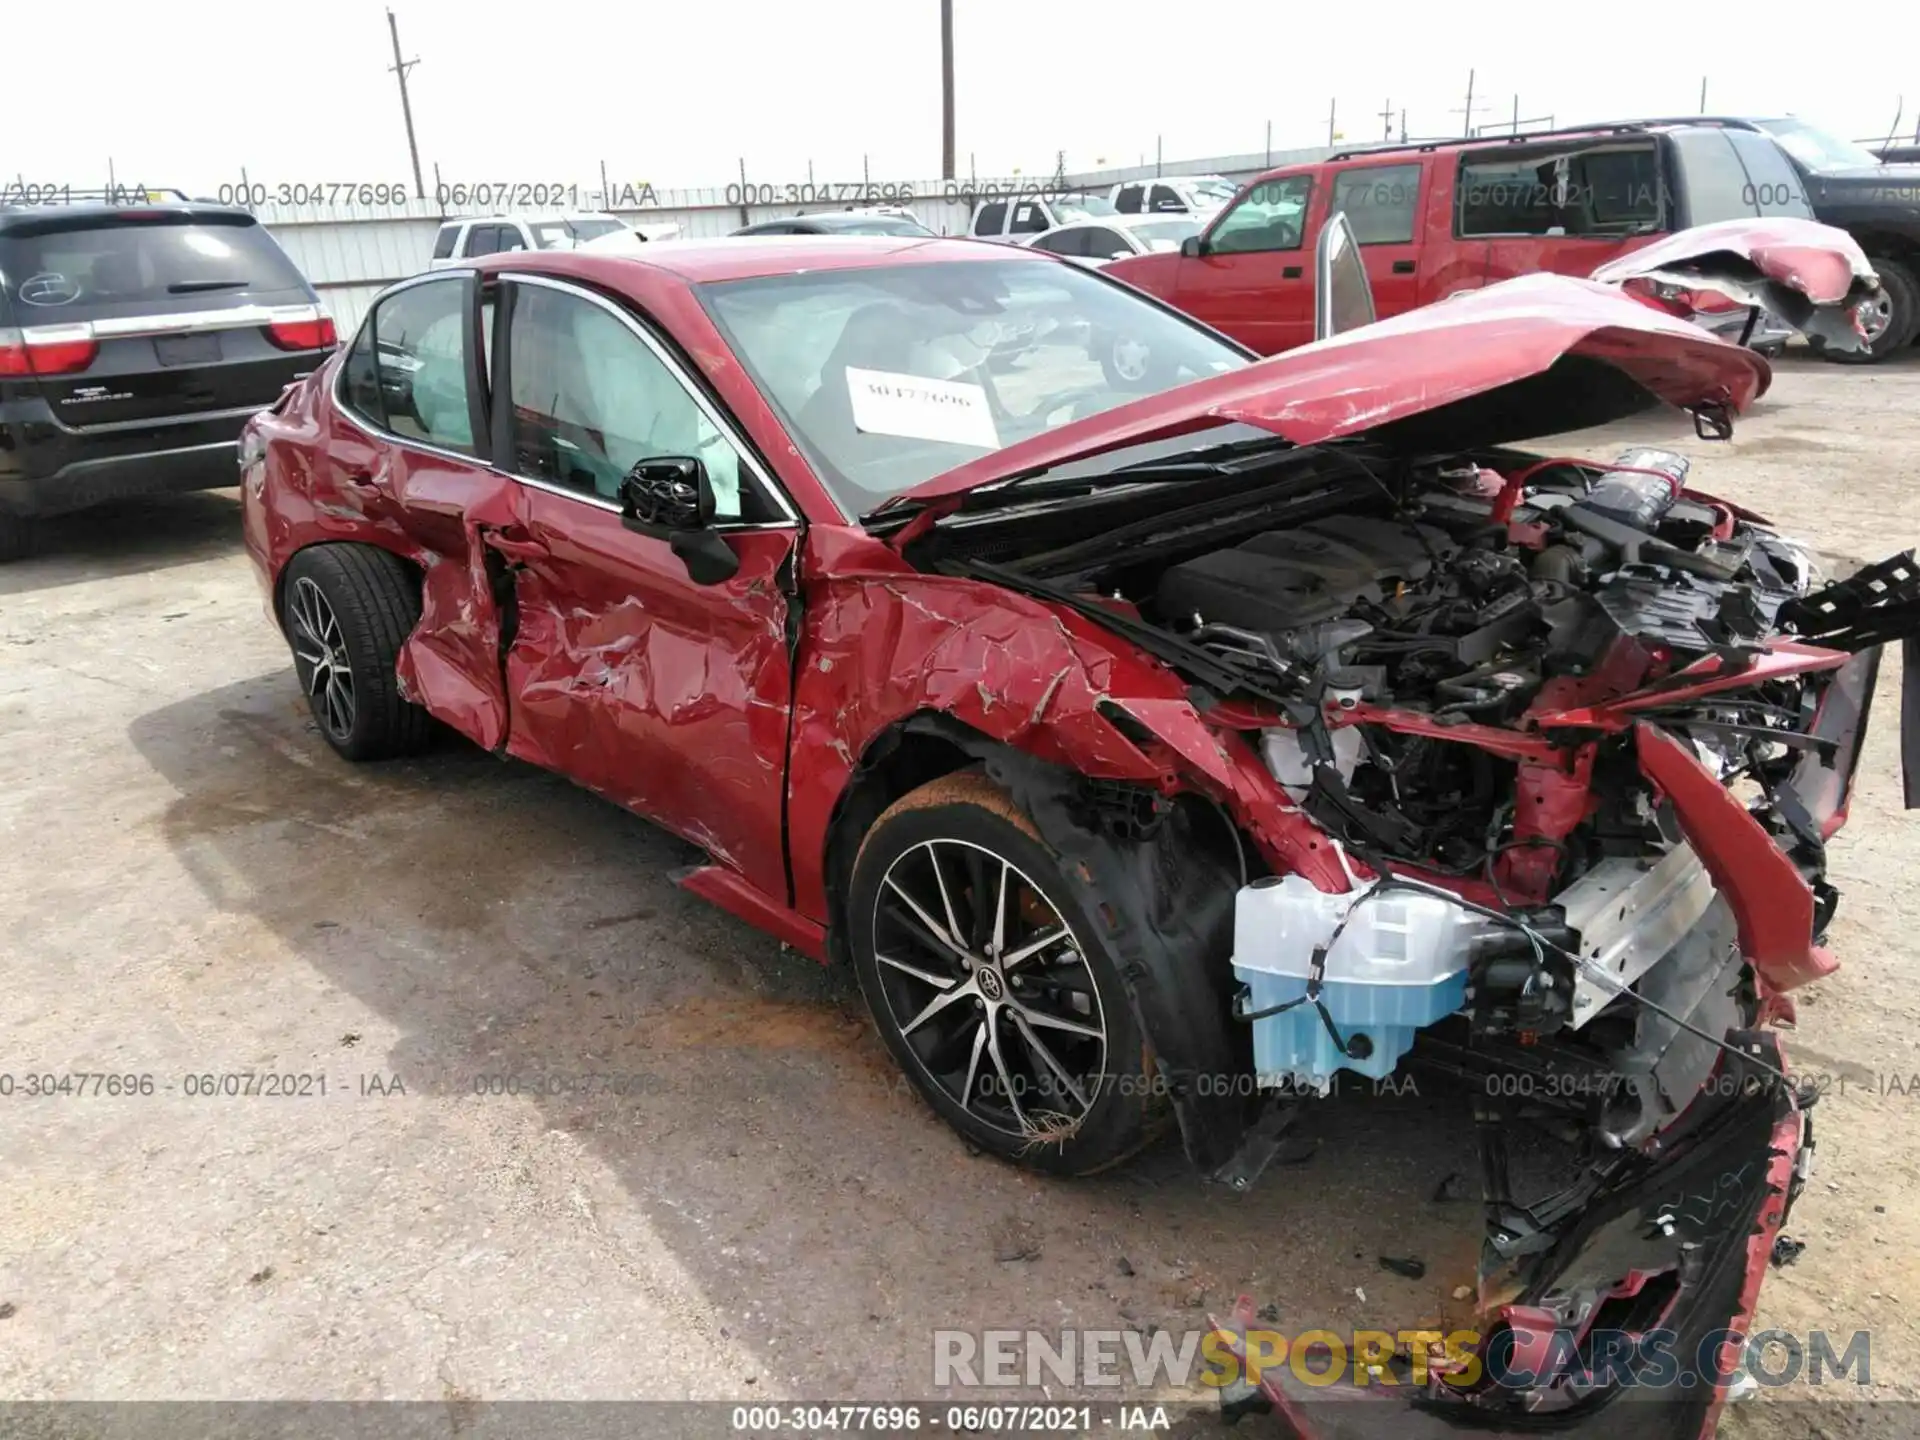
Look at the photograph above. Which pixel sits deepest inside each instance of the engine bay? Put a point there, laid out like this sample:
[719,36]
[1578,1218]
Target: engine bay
[1442,662]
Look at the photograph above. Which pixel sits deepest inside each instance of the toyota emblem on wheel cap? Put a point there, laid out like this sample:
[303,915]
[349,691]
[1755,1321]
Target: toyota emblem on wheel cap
[989,983]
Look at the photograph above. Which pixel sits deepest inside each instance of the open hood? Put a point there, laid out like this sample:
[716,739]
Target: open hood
[1532,356]
[1811,276]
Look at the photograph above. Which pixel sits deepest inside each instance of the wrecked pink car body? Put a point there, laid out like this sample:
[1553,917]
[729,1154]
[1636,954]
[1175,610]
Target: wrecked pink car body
[1098,753]
[1814,278]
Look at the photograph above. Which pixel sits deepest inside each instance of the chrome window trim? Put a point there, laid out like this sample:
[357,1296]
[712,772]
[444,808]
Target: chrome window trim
[719,421]
[727,431]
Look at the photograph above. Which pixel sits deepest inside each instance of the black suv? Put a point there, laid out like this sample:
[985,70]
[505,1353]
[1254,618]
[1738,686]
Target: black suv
[135,340]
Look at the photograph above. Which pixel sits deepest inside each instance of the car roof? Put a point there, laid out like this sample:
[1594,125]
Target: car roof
[746,257]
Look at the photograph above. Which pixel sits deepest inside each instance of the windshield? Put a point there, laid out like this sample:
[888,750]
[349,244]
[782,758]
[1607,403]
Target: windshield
[890,375]
[1213,190]
[1816,149]
[566,234]
[1081,207]
[1166,234]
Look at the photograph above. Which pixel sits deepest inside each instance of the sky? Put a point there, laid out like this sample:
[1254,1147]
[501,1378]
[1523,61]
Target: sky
[190,92]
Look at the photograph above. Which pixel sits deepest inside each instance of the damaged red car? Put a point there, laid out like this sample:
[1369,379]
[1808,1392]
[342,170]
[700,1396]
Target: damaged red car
[1153,758]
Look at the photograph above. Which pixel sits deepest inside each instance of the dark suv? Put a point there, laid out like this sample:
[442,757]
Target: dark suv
[135,340]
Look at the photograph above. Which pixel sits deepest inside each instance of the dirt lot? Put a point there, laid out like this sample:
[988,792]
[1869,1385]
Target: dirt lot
[196,886]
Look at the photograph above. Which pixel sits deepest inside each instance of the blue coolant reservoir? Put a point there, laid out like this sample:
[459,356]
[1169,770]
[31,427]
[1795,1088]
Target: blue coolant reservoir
[1399,963]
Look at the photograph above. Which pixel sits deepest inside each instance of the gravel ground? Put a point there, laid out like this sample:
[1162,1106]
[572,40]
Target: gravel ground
[198,887]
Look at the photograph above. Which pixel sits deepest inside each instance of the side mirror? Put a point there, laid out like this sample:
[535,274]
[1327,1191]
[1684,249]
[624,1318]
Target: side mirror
[670,498]
[1193,247]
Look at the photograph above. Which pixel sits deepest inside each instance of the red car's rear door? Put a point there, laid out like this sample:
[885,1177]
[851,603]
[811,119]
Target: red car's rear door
[406,453]
[1254,277]
[623,673]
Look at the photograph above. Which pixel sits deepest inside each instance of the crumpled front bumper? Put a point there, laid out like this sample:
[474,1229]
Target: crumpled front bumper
[1630,1320]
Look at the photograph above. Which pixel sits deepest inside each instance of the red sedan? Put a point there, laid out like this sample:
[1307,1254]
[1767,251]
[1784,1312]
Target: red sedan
[1155,759]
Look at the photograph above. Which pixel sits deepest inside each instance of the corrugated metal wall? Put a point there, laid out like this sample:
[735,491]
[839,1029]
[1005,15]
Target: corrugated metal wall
[351,252]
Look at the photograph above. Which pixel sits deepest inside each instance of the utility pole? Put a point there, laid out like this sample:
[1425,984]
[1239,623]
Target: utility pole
[1332,105]
[1466,113]
[1386,121]
[401,67]
[946,89]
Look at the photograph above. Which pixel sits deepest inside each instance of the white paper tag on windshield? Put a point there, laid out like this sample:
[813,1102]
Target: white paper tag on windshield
[885,403]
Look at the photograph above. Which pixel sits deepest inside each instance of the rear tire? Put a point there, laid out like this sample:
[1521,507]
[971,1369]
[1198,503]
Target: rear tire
[17,537]
[347,611]
[1902,299]
[1036,1056]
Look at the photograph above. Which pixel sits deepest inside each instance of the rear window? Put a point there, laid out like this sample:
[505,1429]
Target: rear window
[443,245]
[71,270]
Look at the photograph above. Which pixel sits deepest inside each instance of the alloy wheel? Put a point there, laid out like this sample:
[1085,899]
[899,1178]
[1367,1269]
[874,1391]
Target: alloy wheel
[320,659]
[987,986]
[1875,314]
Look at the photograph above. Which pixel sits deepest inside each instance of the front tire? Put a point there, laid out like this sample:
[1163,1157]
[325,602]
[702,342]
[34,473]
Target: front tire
[348,610]
[990,986]
[16,537]
[1892,327]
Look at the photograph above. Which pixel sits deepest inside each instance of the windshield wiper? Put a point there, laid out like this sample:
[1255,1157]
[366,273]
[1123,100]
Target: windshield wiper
[194,287]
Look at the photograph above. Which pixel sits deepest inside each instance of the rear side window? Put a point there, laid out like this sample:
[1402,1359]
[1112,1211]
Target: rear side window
[1127,202]
[419,366]
[89,267]
[1715,180]
[1731,175]
[1590,191]
[1776,187]
[992,218]
[1378,201]
[483,240]
[443,243]
[1065,242]
[1164,199]
[1030,218]
[1621,189]
[1503,196]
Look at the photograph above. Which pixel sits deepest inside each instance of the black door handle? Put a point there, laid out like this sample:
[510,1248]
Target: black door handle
[1403,267]
[1290,272]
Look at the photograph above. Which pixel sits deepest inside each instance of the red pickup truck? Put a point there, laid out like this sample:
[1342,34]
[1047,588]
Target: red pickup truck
[1435,218]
